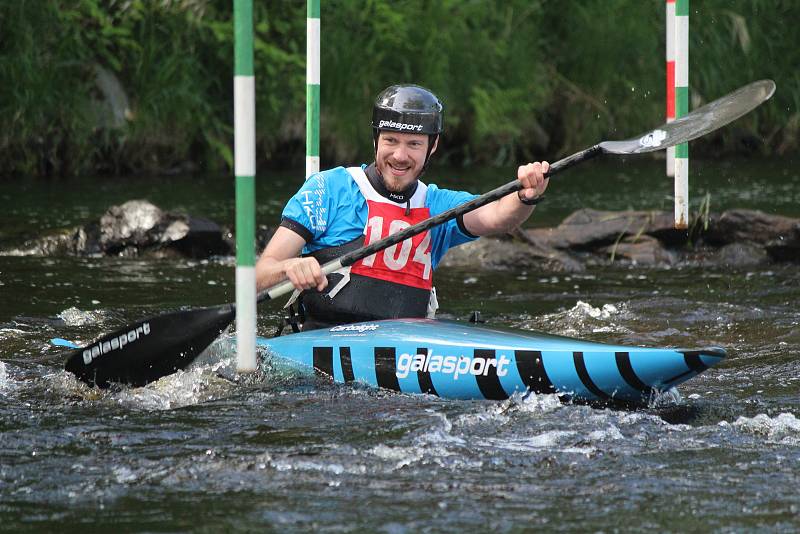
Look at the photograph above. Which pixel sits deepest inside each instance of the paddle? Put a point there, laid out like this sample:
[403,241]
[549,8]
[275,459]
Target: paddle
[149,349]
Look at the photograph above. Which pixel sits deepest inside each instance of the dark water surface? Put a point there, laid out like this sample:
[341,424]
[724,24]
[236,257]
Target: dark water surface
[205,450]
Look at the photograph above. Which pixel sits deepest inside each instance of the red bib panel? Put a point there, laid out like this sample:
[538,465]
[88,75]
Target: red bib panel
[407,263]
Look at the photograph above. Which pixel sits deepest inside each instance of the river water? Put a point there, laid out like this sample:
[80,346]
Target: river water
[205,450]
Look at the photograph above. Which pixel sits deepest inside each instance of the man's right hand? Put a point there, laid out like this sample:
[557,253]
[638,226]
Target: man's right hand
[305,273]
[281,260]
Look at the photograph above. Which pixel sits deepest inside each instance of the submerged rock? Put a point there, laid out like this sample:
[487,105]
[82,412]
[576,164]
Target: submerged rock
[589,229]
[136,228]
[750,225]
[508,254]
[779,236]
[739,255]
[736,238]
[641,250]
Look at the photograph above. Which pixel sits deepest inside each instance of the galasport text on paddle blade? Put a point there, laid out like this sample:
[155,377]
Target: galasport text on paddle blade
[150,349]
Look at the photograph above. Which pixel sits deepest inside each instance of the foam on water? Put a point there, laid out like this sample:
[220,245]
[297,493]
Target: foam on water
[183,388]
[399,456]
[325,467]
[583,318]
[532,403]
[4,382]
[75,317]
[10,333]
[584,309]
[784,425]
[553,441]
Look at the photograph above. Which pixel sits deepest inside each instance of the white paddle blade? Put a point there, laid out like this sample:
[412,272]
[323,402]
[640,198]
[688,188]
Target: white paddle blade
[699,122]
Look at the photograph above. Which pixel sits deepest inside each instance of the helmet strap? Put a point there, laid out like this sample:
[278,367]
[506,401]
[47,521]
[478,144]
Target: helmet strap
[431,143]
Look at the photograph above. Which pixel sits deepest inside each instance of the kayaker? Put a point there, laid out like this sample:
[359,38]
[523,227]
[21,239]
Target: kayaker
[341,209]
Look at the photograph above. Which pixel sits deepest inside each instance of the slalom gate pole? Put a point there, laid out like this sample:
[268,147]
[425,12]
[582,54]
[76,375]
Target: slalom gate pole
[670,80]
[312,87]
[681,108]
[245,169]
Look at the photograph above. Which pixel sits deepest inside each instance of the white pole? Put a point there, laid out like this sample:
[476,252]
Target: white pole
[681,109]
[312,87]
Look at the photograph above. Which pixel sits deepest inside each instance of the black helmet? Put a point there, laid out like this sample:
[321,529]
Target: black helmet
[408,109]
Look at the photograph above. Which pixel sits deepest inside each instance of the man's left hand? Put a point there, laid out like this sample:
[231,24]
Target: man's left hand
[533,179]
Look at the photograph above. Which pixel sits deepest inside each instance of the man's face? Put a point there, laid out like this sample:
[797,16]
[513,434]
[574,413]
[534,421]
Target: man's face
[400,157]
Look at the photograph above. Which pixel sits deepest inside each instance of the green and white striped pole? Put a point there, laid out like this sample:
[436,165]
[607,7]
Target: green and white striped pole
[244,124]
[681,109]
[312,88]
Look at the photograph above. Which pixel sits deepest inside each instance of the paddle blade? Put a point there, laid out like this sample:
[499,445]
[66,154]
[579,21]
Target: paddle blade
[699,122]
[147,350]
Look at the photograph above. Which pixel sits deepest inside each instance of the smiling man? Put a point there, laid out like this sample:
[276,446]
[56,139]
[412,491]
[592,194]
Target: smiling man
[341,209]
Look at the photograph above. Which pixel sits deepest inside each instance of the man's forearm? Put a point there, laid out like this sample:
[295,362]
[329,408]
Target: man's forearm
[268,273]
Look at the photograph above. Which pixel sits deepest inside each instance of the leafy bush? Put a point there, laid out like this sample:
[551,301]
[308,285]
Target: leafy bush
[119,86]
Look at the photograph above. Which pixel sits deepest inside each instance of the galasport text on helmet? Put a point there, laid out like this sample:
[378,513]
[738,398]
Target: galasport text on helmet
[408,109]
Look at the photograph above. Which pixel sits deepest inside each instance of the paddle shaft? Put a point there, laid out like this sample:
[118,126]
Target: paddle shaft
[350,258]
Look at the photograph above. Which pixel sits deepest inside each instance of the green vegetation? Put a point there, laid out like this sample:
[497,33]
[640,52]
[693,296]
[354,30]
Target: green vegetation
[116,86]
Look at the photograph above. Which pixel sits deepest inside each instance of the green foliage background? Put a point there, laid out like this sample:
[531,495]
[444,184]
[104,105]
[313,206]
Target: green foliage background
[520,79]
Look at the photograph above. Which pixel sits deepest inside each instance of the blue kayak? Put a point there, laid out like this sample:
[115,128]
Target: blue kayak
[464,361]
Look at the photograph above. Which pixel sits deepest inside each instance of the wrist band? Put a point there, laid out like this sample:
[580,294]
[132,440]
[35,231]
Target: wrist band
[529,201]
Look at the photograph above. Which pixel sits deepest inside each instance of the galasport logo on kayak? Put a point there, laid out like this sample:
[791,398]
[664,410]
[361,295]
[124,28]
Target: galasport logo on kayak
[115,344]
[400,126]
[454,365]
[355,328]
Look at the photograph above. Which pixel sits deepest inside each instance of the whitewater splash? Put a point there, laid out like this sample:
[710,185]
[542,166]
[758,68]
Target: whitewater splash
[581,319]
[782,427]
[3,376]
[75,317]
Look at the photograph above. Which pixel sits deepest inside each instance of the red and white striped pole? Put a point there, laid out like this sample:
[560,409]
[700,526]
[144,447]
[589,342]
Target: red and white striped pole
[670,80]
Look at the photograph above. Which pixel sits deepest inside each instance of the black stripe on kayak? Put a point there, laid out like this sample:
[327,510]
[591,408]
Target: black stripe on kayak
[628,374]
[323,361]
[424,377]
[583,374]
[488,381]
[693,361]
[386,368]
[347,364]
[531,370]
